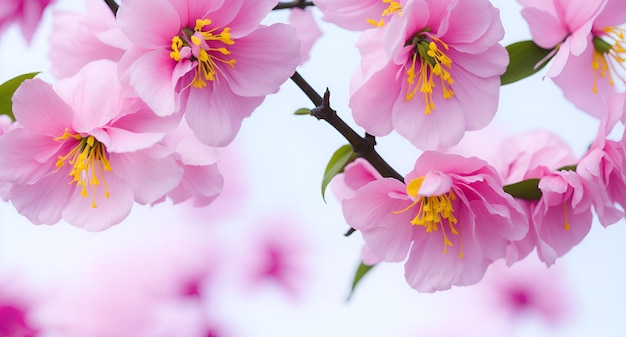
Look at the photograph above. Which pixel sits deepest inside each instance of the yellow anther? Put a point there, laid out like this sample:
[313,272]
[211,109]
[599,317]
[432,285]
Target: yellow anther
[434,212]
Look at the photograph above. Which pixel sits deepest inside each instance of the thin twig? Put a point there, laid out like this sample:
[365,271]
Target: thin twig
[293,4]
[363,146]
[112,5]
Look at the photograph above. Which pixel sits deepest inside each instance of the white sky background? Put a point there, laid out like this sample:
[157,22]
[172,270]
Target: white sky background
[284,157]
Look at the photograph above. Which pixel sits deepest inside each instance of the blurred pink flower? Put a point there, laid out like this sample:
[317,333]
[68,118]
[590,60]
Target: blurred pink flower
[26,13]
[527,289]
[79,38]
[359,14]
[450,205]
[84,153]
[590,47]
[431,73]
[306,28]
[213,60]
[155,285]
[277,254]
[15,310]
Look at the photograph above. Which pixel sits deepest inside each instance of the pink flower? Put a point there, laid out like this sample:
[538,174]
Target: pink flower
[602,167]
[15,310]
[591,48]
[277,254]
[561,218]
[359,14]
[527,288]
[211,59]
[307,29]
[452,219]
[84,153]
[431,73]
[79,38]
[26,13]
[201,181]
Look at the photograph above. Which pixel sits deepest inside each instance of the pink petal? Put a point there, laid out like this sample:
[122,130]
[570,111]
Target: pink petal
[43,202]
[258,73]
[149,24]
[151,172]
[26,164]
[307,30]
[152,78]
[371,211]
[547,30]
[202,183]
[94,94]
[216,117]
[110,210]
[243,17]
[39,108]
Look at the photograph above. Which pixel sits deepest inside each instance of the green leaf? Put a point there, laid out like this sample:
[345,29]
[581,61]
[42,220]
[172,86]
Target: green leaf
[525,189]
[342,157]
[526,58]
[7,89]
[302,111]
[358,276]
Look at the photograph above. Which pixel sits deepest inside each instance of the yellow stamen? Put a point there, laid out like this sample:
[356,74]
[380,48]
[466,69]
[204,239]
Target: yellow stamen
[433,63]
[204,50]
[433,212]
[394,7]
[609,56]
[566,224]
[89,161]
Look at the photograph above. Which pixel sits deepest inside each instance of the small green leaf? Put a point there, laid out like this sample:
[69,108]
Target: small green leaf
[525,189]
[302,111]
[360,272]
[342,157]
[526,58]
[7,89]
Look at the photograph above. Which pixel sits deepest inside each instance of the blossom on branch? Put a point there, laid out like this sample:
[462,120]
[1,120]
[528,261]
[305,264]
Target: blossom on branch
[590,46]
[211,59]
[451,218]
[83,153]
[431,73]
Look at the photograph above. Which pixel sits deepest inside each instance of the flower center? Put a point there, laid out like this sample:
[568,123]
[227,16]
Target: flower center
[205,46]
[433,63]
[434,212]
[89,161]
[609,56]
[394,7]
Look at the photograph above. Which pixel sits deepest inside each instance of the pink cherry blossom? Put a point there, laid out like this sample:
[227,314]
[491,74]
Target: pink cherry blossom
[359,14]
[431,73]
[452,219]
[561,218]
[83,153]
[26,13]
[308,31]
[213,60]
[590,46]
[79,38]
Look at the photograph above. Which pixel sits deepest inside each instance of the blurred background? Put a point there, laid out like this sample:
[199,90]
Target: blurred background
[269,258]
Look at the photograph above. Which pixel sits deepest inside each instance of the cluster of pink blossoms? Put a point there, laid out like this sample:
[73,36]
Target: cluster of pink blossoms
[144,99]
[431,70]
